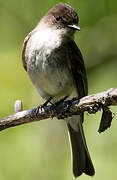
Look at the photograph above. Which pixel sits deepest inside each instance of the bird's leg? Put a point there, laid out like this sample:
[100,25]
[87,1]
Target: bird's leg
[46,102]
[61,101]
[56,106]
[40,108]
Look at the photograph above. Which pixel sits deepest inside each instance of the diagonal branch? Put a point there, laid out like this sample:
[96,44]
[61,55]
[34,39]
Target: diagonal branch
[62,109]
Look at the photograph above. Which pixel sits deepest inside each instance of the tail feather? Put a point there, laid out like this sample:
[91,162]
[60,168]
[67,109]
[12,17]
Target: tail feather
[80,156]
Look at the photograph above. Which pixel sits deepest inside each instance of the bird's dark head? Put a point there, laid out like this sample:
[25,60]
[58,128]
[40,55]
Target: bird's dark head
[62,16]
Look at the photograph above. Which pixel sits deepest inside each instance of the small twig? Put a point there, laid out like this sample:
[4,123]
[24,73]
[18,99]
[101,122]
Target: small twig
[18,106]
[91,104]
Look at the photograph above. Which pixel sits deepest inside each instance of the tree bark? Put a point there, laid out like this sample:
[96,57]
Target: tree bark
[63,109]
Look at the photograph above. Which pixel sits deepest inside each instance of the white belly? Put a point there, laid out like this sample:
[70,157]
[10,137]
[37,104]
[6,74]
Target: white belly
[47,69]
[51,78]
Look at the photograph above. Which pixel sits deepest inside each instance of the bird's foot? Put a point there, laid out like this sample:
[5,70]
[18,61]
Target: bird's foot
[40,109]
[57,106]
[46,102]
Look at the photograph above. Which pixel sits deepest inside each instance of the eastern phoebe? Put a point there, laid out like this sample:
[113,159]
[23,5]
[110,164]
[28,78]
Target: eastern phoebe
[55,65]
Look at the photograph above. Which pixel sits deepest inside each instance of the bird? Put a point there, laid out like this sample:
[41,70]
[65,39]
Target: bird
[55,66]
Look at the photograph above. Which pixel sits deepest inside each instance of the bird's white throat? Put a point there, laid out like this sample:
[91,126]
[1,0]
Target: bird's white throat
[47,37]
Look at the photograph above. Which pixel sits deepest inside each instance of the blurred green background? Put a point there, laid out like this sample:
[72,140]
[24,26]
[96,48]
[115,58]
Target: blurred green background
[40,151]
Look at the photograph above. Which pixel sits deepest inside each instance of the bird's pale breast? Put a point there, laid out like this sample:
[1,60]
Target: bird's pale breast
[48,67]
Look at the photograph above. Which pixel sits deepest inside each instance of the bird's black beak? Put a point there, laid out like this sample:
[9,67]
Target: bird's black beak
[74,26]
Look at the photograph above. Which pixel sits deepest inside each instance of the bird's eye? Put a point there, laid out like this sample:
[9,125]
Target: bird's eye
[58,18]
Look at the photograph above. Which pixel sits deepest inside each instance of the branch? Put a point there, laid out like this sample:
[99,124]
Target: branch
[63,109]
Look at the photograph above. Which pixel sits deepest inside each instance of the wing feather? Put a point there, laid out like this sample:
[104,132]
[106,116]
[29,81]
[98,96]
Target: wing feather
[78,69]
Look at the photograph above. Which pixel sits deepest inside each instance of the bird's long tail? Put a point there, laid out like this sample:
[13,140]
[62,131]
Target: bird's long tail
[80,156]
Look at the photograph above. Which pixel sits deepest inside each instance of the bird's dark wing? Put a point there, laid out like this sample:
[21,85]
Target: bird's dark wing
[78,69]
[24,58]
[80,156]
[24,61]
